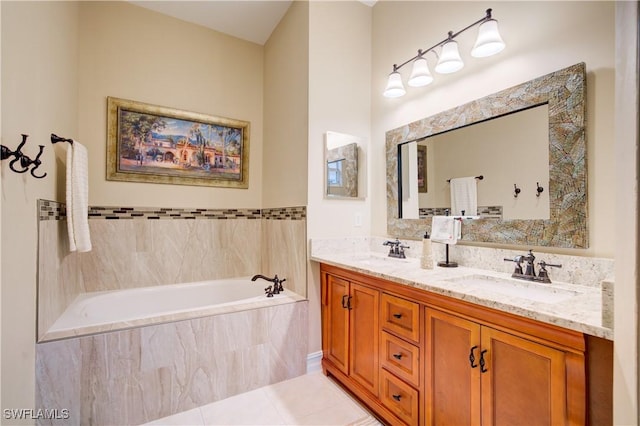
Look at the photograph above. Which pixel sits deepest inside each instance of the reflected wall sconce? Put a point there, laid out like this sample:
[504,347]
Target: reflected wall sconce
[449,61]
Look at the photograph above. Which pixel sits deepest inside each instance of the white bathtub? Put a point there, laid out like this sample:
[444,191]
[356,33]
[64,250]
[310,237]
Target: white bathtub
[119,309]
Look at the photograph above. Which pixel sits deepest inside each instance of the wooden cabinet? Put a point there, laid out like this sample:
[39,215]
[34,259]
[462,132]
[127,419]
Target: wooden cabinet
[479,375]
[350,335]
[418,358]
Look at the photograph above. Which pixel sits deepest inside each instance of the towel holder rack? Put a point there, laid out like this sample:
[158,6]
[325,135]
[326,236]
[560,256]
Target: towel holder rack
[24,160]
[477,177]
[55,139]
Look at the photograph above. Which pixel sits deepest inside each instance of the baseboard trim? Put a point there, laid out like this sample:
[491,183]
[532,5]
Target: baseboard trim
[314,362]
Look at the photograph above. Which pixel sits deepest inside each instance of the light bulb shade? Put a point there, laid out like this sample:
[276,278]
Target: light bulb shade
[489,41]
[420,75]
[450,60]
[394,88]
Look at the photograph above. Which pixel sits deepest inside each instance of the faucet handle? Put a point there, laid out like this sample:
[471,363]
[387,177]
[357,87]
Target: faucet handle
[543,275]
[518,261]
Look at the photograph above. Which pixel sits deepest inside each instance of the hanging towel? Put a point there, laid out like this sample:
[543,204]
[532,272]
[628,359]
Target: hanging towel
[464,196]
[78,198]
[445,229]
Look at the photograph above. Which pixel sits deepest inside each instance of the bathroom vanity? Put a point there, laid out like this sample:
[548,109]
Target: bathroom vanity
[423,347]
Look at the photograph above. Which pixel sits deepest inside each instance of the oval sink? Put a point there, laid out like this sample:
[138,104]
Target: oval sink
[522,289]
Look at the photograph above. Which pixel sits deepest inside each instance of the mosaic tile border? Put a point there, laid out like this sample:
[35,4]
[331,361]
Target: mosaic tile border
[494,212]
[53,210]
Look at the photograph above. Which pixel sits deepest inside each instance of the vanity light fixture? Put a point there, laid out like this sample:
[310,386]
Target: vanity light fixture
[488,43]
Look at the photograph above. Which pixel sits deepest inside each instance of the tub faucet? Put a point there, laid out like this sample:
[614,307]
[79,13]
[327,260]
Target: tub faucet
[276,288]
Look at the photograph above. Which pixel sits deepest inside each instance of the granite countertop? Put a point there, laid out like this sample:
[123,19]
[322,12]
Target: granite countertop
[571,306]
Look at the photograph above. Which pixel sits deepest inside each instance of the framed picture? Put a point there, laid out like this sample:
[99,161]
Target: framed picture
[422,168]
[154,144]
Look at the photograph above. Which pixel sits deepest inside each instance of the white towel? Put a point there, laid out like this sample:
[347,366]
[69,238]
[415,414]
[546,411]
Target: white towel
[78,198]
[464,196]
[445,229]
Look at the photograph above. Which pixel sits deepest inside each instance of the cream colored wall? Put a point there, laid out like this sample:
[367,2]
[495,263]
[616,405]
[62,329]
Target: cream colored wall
[60,62]
[39,95]
[339,100]
[130,52]
[565,33]
[286,67]
[626,217]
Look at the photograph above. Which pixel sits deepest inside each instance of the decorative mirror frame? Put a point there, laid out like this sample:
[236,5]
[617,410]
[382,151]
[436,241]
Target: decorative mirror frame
[565,93]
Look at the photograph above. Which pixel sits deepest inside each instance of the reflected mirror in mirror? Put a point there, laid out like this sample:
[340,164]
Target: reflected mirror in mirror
[496,149]
[342,165]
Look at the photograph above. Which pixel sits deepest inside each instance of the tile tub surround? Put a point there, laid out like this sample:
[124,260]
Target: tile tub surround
[583,312]
[141,374]
[139,247]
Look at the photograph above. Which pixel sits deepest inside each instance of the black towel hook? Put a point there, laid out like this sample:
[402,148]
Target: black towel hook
[516,191]
[24,160]
[539,189]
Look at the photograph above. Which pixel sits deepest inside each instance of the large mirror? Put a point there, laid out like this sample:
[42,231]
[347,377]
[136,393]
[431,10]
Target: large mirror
[556,217]
[490,151]
[343,166]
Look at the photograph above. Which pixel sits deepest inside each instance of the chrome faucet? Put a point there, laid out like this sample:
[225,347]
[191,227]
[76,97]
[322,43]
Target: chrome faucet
[529,273]
[396,249]
[276,288]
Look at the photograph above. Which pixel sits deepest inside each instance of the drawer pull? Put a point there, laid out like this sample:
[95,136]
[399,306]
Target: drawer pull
[482,362]
[397,316]
[397,356]
[344,301]
[397,397]
[472,358]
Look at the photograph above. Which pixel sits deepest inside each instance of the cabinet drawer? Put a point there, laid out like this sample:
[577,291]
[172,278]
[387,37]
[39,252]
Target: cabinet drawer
[399,397]
[400,357]
[401,316]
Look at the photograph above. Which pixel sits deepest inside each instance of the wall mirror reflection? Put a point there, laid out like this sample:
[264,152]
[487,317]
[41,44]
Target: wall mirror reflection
[343,170]
[495,149]
[562,95]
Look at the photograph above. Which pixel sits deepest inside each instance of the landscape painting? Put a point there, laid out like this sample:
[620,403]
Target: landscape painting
[148,143]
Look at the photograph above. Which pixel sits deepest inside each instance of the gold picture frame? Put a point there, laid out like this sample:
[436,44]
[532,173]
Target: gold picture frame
[155,144]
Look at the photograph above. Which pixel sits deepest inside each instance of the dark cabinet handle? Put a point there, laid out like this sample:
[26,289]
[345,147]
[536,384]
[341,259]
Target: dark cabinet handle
[472,357]
[397,397]
[349,307]
[482,362]
[397,356]
[344,301]
[397,316]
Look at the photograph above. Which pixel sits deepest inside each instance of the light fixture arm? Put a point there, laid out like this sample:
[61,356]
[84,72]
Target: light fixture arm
[450,36]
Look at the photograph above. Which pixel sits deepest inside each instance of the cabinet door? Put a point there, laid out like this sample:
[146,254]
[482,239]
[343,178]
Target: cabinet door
[452,370]
[524,382]
[363,309]
[336,323]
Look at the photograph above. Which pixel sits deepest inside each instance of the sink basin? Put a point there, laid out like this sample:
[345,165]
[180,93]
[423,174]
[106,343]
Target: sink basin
[514,288]
[372,259]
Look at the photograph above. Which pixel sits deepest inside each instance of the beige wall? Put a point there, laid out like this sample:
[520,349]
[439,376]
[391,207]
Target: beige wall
[60,62]
[565,33]
[626,217]
[286,98]
[133,53]
[339,100]
[39,95]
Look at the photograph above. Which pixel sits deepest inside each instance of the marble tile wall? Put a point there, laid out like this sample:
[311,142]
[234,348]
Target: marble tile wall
[138,247]
[284,245]
[138,375]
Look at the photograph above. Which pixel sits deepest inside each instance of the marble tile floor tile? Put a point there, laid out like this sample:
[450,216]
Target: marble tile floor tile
[311,399]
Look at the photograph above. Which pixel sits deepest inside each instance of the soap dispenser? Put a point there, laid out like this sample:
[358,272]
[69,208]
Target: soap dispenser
[426,261]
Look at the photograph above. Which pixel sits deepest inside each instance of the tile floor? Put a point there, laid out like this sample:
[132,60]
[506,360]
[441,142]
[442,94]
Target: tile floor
[312,399]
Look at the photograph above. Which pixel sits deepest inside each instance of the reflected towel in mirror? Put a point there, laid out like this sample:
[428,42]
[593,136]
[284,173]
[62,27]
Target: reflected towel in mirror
[464,196]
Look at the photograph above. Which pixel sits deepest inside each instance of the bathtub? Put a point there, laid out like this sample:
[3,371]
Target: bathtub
[119,309]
